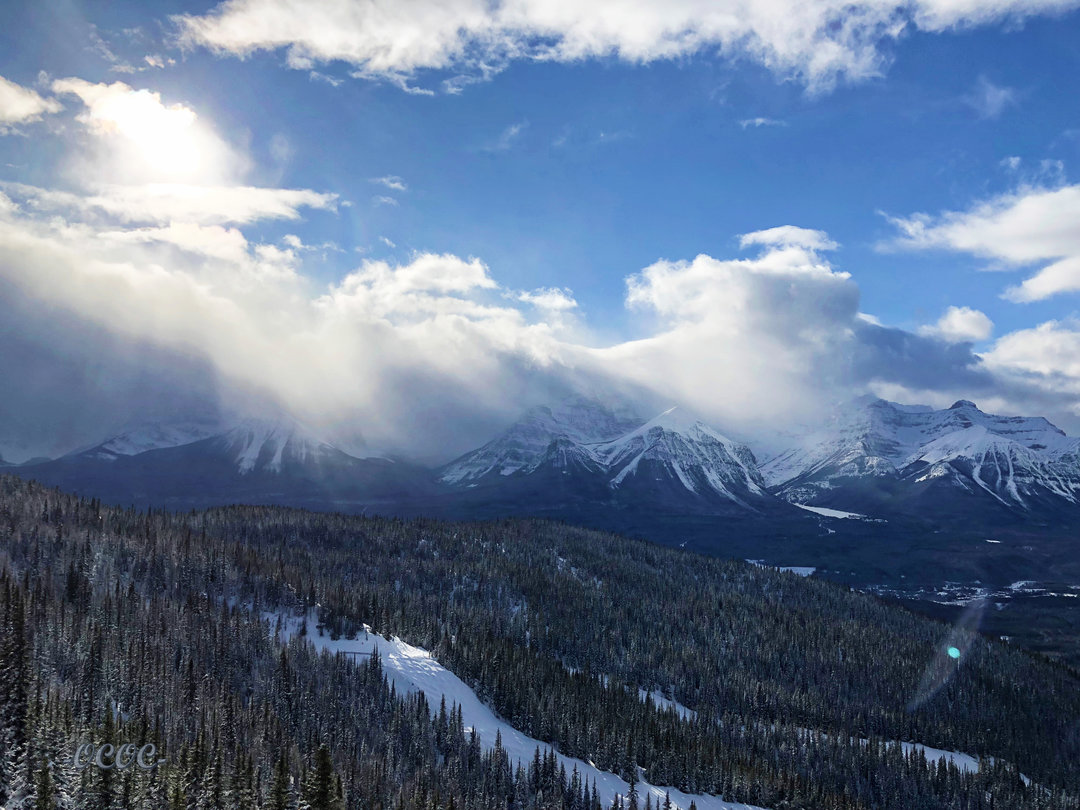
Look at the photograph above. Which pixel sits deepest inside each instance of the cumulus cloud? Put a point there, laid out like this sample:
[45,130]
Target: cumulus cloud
[818,42]
[422,355]
[1030,227]
[376,349]
[20,105]
[737,332]
[1046,356]
[959,325]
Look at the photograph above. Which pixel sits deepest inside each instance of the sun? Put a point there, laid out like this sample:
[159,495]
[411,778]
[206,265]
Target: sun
[167,139]
[144,137]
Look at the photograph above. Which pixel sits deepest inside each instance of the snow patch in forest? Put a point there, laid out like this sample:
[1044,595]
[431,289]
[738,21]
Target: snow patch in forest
[964,762]
[413,669]
[664,703]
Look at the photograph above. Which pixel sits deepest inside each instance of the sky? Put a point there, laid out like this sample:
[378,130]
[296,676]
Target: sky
[410,220]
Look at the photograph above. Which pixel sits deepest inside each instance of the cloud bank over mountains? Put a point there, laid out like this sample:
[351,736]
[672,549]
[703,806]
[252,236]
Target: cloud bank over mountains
[424,355]
[168,280]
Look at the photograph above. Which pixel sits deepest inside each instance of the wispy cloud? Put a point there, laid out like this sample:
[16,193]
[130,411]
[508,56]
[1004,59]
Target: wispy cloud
[391,181]
[507,137]
[761,122]
[163,203]
[319,76]
[989,100]
[382,199]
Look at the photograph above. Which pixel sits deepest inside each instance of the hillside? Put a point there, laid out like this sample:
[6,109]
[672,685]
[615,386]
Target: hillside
[118,624]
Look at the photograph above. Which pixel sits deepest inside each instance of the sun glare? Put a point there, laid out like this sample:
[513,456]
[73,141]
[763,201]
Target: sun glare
[166,139]
[147,140]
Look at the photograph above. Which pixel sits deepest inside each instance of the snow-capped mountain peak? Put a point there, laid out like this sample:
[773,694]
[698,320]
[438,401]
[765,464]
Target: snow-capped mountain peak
[265,444]
[1013,459]
[142,438]
[578,420]
[701,459]
[671,457]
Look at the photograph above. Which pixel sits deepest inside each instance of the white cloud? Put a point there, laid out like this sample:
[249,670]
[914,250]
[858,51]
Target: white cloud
[164,203]
[413,352]
[789,236]
[761,122]
[157,61]
[388,242]
[382,199]
[211,241]
[989,100]
[960,324]
[21,105]
[1044,358]
[1033,226]
[1049,349]
[552,299]
[746,339]
[818,42]
[392,182]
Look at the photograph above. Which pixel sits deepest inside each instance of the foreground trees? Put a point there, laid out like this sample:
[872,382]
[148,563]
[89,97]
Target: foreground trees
[119,627]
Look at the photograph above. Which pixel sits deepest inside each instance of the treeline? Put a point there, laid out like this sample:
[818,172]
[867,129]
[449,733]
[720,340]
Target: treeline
[118,626]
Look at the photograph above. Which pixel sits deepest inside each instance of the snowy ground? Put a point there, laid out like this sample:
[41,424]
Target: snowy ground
[413,669]
[964,762]
[662,702]
[836,513]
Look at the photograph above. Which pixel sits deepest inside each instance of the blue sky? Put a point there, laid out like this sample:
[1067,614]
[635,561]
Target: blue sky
[566,152]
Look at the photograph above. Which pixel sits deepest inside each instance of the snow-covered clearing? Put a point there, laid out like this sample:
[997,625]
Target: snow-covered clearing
[413,669]
[964,762]
[833,513]
[662,703]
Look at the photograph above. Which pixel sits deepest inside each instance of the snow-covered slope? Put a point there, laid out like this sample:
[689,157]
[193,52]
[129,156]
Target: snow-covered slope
[575,422]
[682,449]
[586,446]
[1005,468]
[266,445]
[154,436]
[276,461]
[413,669]
[1013,460]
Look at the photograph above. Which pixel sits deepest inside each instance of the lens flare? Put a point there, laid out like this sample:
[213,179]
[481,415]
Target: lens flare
[949,654]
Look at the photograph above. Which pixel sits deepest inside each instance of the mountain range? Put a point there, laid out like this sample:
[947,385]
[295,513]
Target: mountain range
[872,455]
[876,469]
